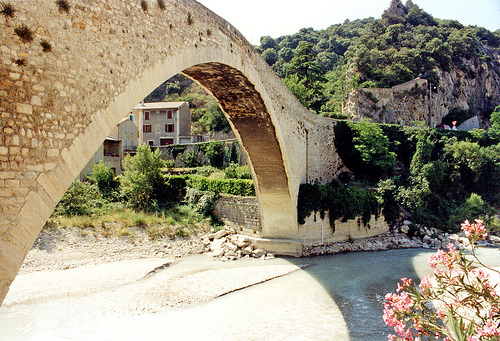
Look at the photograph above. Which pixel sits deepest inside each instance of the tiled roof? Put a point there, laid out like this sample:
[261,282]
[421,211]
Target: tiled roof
[159,105]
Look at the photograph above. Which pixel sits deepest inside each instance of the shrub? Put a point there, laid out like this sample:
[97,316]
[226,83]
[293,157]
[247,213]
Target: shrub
[339,200]
[190,159]
[81,198]
[175,187]
[240,187]
[142,182]
[457,302]
[104,177]
[214,152]
[233,171]
[46,46]
[202,201]
[161,4]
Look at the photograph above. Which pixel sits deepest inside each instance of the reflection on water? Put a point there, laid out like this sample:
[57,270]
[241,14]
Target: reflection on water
[339,298]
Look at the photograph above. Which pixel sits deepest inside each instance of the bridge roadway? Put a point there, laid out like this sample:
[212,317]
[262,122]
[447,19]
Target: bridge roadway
[67,78]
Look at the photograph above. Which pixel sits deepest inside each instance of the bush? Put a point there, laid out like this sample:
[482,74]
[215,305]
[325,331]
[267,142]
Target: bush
[214,152]
[142,182]
[104,177]
[239,187]
[339,200]
[176,187]
[233,171]
[82,198]
[202,201]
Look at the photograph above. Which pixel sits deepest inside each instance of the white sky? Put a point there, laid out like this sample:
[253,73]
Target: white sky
[256,18]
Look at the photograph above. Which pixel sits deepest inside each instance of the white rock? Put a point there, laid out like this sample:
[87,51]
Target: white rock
[217,244]
[257,253]
[220,234]
[230,246]
[247,250]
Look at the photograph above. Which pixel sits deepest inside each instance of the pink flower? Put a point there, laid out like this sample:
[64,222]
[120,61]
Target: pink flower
[475,231]
[489,330]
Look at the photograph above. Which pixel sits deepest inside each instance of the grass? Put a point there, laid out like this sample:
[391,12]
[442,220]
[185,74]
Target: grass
[177,221]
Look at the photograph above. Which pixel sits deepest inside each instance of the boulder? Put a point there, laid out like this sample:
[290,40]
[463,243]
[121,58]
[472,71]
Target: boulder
[217,244]
[230,246]
[257,253]
[220,234]
[247,250]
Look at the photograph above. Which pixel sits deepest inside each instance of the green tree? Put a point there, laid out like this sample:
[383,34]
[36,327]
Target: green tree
[142,181]
[309,73]
[215,153]
[270,56]
[495,121]
[373,145]
[82,198]
[104,177]
[213,119]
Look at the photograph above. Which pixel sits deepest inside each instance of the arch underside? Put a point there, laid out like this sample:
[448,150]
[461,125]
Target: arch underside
[249,116]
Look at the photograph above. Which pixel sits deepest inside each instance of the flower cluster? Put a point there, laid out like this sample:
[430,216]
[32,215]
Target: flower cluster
[457,303]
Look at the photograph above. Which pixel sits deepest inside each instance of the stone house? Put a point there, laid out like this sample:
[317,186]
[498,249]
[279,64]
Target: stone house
[121,141]
[163,123]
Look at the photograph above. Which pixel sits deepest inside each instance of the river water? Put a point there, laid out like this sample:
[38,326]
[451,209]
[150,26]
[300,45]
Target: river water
[339,297]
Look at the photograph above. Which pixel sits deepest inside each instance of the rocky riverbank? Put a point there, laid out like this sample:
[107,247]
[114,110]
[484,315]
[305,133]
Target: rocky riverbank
[58,249]
[427,238]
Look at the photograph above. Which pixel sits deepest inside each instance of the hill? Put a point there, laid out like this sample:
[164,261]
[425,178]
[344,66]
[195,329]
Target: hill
[460,63]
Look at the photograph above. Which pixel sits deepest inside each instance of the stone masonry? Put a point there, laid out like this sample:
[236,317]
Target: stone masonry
[67,78]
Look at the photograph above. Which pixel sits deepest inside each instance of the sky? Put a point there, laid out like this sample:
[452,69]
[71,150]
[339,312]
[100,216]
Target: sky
[275,18]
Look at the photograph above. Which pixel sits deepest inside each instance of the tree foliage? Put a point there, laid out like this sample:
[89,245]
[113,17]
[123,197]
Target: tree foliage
[374,52]
[142,182]
[104,177]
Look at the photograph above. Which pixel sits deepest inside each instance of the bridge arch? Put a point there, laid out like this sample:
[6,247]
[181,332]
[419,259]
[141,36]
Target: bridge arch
[65,88]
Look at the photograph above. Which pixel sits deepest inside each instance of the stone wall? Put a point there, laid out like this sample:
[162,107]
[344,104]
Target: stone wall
[240,213]
[401,104]
[317,231]
[473,88]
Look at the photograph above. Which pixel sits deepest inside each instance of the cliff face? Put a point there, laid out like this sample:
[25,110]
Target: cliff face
[472,90]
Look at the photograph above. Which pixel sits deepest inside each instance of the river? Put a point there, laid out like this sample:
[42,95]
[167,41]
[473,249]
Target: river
[338,297]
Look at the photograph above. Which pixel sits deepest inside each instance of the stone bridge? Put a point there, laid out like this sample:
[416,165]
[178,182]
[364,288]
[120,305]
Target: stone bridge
[68,77]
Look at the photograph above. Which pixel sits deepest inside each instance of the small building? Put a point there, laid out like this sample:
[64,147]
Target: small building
[163,123]
[121,141]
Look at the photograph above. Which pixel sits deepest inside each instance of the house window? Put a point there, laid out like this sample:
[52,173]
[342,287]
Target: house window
[131,117]
[125,144]
[131,130]
[96,158]
[151,142]
[146,115]
[169,128]
[169,114]
[162,112]
[125,129]
[165,141]
[146,128]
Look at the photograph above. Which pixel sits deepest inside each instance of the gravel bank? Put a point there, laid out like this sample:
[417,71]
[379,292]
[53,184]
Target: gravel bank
[61,249]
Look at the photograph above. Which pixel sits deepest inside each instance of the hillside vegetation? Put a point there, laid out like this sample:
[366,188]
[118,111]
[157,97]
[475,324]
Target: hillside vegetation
[322,66]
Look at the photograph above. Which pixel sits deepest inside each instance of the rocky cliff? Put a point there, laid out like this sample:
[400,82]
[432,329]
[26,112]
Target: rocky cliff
[466,87]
